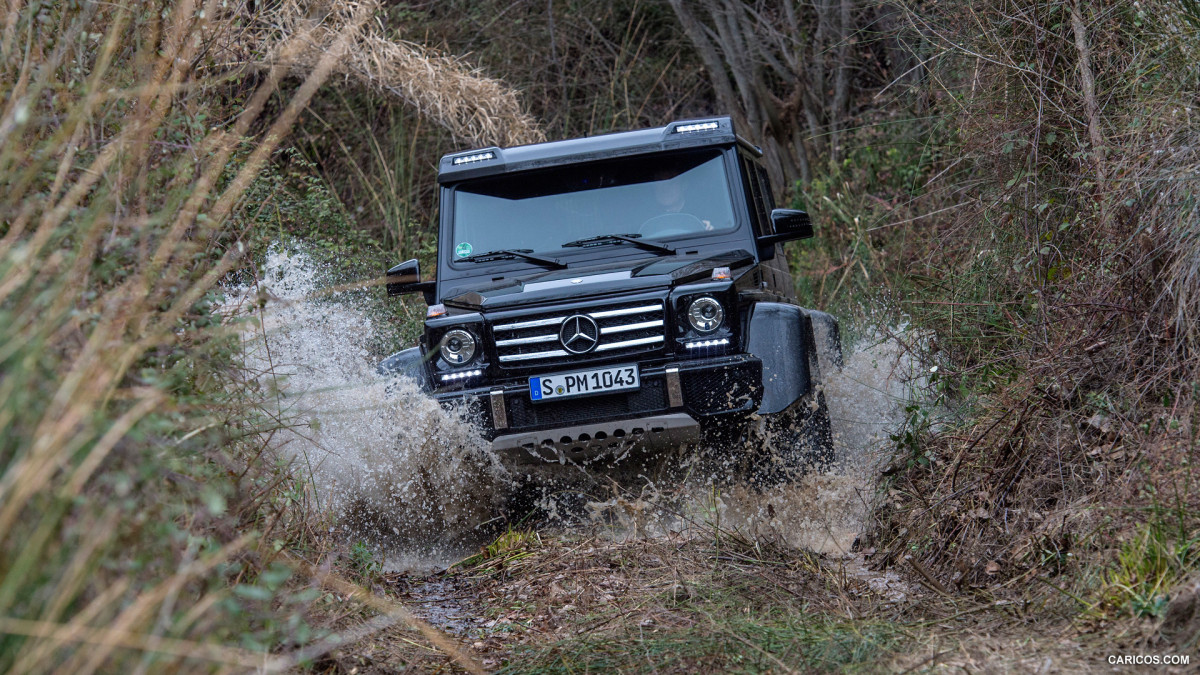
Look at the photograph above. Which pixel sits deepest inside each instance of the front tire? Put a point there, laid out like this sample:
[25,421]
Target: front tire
[794,443]
[812,444]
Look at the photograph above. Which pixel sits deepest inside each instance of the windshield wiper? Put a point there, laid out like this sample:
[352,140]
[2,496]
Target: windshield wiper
[634,239]
[512,254]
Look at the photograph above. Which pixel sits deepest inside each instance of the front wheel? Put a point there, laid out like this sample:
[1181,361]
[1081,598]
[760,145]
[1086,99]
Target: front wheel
[812,442]
[792,444]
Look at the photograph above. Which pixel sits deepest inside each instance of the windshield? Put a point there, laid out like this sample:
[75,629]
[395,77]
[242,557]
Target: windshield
[656,197]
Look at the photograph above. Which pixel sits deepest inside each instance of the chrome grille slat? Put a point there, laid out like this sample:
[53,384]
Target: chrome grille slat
[629,343]
[533,355]
[624,312]
[538,323]
[527,340]
[630,326]
[626,328]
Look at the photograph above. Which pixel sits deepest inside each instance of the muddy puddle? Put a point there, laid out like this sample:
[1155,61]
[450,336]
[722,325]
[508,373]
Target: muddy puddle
[443,602]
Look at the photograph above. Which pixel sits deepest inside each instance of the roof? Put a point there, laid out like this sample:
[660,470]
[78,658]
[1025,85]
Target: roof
[677,135]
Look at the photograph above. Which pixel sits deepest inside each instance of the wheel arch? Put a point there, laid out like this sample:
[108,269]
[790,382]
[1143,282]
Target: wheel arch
[409,362]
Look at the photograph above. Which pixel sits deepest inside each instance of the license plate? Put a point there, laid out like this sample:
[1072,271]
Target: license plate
[583,383]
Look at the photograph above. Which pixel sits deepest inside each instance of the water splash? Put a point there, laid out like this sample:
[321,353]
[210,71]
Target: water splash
[867,398]
[825,512]
[820,511]
[387,464]
[391,467]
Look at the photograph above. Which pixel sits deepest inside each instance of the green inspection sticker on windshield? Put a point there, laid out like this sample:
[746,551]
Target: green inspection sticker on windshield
[463,250]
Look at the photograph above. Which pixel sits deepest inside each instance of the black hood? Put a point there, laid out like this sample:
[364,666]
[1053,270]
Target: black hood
[601,279]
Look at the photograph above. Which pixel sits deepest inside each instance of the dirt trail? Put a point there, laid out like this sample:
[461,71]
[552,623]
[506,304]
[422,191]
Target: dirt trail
[698,567]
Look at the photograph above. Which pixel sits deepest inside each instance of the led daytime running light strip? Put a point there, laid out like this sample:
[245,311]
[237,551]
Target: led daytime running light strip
[478,157]
[708,343]
[702,126]
[461,376]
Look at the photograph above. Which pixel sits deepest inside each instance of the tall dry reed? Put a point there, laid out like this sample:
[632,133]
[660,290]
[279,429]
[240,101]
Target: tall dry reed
[142,523]
[445,89]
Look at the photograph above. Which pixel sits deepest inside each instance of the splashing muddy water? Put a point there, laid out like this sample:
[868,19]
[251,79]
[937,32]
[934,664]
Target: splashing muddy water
[392,468]
[825,512]
[387,463]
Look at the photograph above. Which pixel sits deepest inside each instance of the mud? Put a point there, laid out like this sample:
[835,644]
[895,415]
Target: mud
[442,602]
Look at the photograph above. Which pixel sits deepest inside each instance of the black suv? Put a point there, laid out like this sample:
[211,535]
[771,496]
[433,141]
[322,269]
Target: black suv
[630,289]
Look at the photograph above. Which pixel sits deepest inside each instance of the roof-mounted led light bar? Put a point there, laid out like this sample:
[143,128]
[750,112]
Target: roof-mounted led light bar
[477,157]
[698,126]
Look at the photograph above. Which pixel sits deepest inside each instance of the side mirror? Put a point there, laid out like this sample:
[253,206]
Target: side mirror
[789,224]
[406,278]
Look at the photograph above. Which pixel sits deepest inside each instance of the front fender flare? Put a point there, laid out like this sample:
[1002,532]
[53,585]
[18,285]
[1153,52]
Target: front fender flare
[781,335]
[410,363]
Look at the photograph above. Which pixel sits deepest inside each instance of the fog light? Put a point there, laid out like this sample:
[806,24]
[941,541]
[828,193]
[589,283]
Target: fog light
[451,377]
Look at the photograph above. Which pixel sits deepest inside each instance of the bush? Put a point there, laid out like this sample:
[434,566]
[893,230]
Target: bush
[1050,275]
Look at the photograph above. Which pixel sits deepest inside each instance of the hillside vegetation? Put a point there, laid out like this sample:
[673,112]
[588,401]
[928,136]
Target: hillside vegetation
[1007,188]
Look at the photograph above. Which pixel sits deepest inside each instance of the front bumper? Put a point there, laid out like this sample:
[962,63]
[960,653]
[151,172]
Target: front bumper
[587,441]
[676,401]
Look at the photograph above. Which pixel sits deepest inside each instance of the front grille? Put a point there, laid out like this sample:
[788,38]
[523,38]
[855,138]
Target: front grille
[624,329]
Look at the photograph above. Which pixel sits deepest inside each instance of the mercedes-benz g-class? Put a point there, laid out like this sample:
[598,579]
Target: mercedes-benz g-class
[623,290]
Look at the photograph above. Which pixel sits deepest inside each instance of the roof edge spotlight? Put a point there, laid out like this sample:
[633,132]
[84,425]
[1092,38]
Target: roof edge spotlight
[477,157]
[698,126]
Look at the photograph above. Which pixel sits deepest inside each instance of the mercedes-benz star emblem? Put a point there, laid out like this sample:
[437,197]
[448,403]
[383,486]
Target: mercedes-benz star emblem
[579,334]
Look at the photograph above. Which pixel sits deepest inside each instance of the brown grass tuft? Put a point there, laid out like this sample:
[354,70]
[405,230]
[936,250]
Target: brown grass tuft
[446,89]
[144,525]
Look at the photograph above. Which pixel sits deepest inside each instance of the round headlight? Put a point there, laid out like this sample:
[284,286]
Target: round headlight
[458,346]
[705,314]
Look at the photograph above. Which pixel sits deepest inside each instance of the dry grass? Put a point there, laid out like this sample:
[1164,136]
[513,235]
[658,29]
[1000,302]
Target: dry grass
[1061,254]
[143,522]
[676,603]
[445,89]
[553,602]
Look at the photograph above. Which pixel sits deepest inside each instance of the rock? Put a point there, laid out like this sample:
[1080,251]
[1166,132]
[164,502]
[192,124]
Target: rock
[1100,424]
[1181,623]
[979,513]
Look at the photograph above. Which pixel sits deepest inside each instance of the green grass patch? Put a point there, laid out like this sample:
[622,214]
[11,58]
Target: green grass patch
[739,628]
[737,644]
[1161,554]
